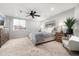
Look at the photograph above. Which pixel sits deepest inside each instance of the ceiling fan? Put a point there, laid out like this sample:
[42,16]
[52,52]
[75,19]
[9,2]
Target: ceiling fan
[32,13]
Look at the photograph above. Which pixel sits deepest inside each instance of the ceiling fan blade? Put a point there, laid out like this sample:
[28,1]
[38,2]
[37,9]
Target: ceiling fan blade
[34,12]
[37,15]
[33,16]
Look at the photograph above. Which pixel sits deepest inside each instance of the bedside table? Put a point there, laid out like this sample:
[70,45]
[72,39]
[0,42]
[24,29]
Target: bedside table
[58,36]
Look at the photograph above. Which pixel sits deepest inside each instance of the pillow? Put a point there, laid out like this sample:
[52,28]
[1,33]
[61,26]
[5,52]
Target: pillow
[48,29]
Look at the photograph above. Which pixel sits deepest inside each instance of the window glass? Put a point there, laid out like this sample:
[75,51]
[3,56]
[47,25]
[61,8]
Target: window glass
[19,24]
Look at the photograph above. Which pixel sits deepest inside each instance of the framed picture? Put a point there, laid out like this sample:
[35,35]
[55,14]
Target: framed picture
[50,24]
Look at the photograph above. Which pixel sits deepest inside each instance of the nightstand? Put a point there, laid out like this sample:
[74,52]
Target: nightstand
[58,36]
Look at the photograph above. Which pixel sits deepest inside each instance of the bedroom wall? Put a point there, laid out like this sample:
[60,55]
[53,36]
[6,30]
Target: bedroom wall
[60,18]
[76,12]
[76,31]
[31,27]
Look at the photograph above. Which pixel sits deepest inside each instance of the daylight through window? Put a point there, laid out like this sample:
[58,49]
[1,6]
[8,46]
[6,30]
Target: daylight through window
[19,24]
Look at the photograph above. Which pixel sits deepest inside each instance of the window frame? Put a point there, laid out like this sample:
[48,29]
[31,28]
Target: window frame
[18,29]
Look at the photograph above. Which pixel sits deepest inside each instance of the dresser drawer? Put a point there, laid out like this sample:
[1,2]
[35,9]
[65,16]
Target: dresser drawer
[4,36]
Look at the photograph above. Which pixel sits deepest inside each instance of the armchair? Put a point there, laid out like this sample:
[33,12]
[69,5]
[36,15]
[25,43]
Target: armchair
[72,44]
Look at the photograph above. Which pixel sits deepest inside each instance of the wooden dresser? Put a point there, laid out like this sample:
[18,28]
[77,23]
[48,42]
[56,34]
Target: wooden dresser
[4,36]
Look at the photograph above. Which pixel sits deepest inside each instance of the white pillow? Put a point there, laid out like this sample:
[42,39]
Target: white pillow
[48,29]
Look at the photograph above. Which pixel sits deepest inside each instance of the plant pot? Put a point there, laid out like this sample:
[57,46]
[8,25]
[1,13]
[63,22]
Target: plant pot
[69,31]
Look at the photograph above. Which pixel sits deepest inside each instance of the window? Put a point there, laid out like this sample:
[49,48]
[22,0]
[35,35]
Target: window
[1,20]
[19,24]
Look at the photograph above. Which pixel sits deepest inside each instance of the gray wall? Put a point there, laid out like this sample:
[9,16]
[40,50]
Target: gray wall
[60,18]
[76,30]
[31,27]
[34,26]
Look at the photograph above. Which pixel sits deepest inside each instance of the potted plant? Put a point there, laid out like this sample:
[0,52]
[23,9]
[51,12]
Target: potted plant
[69,23]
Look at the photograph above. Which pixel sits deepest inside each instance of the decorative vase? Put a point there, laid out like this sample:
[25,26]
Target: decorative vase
[69,31]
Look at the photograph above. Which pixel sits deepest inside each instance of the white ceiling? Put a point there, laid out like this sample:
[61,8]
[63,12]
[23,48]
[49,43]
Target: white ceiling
[11,9]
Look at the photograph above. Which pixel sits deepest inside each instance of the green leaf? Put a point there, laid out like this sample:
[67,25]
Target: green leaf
[70,22]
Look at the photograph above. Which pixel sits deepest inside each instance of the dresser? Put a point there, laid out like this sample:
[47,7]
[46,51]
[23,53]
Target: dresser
[4,36]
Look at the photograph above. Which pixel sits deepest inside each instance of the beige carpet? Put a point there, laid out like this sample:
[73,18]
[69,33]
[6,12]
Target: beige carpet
[24,47]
